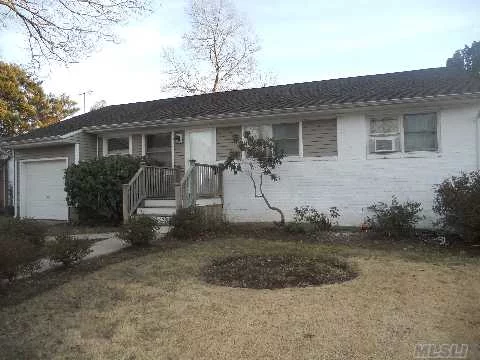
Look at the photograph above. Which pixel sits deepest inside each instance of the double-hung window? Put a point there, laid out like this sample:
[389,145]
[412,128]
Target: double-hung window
[159,148]
[408,133]
[286,136]
[118,146]
[420,132]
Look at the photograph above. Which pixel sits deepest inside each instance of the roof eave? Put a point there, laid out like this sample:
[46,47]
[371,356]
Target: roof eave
[317,109]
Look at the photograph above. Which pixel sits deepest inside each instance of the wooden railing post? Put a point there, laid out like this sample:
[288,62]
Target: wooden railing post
[125,200]
[193,185]
[220,183]
[178,196]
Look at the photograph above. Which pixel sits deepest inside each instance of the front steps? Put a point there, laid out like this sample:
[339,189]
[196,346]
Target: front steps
[164,209]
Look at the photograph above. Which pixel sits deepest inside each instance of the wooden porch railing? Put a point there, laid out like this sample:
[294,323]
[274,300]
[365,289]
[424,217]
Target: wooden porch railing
[200,181]
[148,182]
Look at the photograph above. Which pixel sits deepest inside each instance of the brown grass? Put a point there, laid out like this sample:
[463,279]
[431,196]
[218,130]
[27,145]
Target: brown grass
[155,307]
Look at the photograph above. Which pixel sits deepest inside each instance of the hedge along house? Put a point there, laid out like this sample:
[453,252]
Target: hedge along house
[350,142]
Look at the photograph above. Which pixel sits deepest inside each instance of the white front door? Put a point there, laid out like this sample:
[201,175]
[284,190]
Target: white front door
[202,146]
[42,189]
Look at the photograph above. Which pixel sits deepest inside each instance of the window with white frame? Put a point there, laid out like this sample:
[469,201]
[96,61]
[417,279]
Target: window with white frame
[287,138]
[118,146]
[420,132]
[285,135]
[384,134]
[412,132]
[159,148]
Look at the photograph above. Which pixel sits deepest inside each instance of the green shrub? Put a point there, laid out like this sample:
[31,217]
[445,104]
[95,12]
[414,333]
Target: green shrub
[139,230]
[67,250]
[17,256]
[457,202]
[308,219]
[94,187]
[191,223]
[395,219]
[31,230]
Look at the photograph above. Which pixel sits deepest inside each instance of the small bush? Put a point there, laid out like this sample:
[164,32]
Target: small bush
[30,230]
[192,223]
[67,250]
[309,219]
[17,256]
[139,231]
[457,202]
[395,219]
[187,224]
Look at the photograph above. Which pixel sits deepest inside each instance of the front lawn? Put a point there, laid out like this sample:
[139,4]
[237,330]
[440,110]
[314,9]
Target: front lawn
[155,306]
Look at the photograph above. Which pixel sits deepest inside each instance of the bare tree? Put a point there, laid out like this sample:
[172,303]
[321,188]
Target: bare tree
[67,30]
[98,105]
[218,52]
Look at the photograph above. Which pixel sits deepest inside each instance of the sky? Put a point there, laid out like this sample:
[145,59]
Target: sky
[301,40]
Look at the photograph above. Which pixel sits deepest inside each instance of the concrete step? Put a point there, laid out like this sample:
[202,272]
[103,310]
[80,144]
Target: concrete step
[209,201]
[160,203]
[158,211]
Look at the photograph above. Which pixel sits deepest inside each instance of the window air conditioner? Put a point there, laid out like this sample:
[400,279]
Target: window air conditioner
[386,144]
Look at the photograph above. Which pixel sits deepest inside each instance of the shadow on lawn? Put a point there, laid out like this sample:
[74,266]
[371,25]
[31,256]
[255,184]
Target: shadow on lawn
[23,289]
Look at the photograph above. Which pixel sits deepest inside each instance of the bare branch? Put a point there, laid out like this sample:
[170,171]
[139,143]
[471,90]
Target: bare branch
[67,30]
[218,51]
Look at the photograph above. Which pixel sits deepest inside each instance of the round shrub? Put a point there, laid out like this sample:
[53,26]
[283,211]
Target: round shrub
[395,220]
[94,187]
[273,272]
[139,230]
[457,202]
[67,250]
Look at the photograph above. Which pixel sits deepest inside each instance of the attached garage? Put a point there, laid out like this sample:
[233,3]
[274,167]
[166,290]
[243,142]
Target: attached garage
[42,189]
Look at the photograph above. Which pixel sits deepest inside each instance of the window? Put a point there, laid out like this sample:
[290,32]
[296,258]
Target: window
[384,134]
[118,146]
[286,137]
[159,148]
[260,131]
[420,132]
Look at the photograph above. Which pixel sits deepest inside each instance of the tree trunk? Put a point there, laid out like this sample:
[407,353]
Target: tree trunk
[215,84]
[262,195]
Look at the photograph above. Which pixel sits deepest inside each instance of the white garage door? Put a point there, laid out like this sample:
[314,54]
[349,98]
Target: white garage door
[42,188]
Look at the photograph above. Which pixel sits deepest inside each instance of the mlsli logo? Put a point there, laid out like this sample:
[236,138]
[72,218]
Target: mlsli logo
[441,351]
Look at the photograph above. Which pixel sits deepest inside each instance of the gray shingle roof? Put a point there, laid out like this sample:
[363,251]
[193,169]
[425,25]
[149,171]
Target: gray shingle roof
[400,85]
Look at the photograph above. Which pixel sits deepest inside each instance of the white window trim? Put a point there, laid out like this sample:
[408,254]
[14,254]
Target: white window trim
[21,182]
[300,139]
[144,145]
[77,154]
[402,154]
[105,145]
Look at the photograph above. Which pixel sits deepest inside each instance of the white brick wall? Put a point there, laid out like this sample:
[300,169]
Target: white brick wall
[356,179]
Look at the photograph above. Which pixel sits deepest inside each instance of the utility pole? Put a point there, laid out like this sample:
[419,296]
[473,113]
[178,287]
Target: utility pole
[84,94]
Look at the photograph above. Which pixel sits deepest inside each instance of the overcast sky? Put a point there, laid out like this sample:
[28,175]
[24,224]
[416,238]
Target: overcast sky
[302,40]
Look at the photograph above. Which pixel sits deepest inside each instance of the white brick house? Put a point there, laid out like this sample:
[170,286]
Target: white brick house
[350,142]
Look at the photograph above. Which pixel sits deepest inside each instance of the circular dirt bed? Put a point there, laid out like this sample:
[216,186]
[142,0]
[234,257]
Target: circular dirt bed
[275,272]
